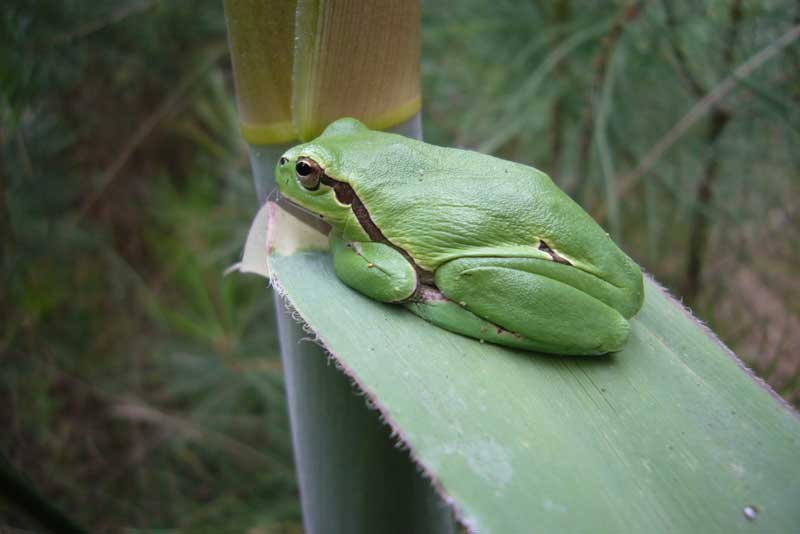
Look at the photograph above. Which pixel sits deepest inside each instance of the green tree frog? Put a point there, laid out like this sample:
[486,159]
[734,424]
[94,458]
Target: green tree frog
[480,246]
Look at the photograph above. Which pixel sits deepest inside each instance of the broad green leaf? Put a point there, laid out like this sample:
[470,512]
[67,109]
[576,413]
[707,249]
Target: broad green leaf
[670,434]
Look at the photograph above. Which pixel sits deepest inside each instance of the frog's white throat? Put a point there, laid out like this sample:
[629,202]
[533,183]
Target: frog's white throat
[314,220]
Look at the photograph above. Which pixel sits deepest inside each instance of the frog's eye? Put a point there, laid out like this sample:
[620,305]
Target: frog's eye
[283,161]
[309,173]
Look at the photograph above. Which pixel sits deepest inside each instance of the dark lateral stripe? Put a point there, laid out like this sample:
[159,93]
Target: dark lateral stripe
[367,224]
[553,254]
[346,195]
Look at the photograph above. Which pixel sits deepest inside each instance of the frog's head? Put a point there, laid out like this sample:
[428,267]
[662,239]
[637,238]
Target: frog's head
[302,173]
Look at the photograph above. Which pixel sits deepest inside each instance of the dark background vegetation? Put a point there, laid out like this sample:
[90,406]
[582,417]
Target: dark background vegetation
[141,389]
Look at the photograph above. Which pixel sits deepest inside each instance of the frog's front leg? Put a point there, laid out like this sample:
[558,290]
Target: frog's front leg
[374,269]
[515,294]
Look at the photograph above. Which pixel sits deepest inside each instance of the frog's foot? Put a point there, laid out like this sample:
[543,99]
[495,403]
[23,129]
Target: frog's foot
[431,305]
[513,293]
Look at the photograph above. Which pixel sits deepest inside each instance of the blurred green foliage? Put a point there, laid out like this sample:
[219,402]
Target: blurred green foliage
[142,389]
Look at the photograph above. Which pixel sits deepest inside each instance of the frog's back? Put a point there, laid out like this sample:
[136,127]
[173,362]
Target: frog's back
[458,202]
[439,204]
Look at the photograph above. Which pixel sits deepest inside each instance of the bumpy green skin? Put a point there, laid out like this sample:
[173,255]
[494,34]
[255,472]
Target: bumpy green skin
[474,224]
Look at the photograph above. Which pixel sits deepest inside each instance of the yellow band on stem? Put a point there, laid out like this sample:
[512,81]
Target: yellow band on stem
[268,134]
[283,132]
[396,115]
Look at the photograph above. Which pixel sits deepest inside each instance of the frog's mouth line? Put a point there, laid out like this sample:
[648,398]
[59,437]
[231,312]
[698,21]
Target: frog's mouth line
[314,220]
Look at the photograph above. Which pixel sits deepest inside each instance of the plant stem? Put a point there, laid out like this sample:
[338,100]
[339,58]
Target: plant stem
[353,477]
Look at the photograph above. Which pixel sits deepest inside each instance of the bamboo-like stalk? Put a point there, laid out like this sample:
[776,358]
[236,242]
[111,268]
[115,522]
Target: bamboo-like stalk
[347,59]
[261,40]
[355,59]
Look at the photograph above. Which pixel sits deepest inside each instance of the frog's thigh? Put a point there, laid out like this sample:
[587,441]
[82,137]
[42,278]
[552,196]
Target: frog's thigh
[510,293]
[374,269]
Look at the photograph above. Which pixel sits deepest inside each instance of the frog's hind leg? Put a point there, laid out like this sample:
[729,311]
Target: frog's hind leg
[514,294]
[430,304]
